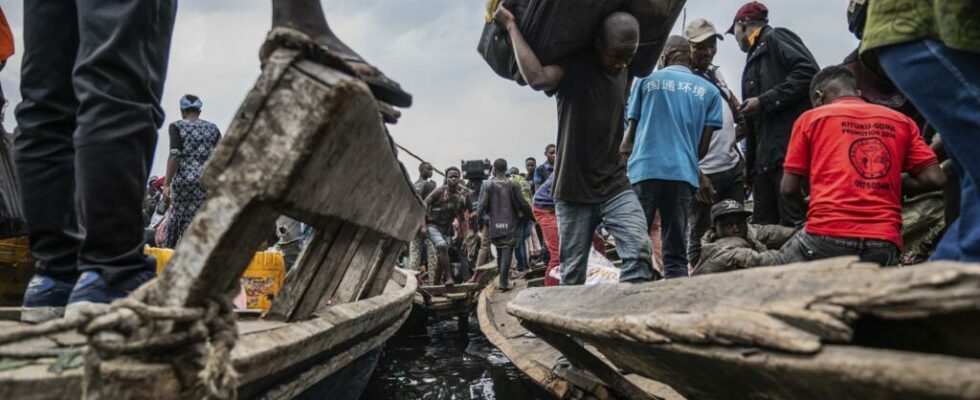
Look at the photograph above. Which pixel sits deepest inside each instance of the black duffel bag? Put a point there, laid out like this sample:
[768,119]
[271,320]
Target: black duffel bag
[557,28]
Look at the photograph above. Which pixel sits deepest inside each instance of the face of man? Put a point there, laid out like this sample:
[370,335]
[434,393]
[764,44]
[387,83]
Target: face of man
[551,153]
[703,54]
[530,165]
[615,57]
[425,171]
[731,225]
[452,178]
[742,32]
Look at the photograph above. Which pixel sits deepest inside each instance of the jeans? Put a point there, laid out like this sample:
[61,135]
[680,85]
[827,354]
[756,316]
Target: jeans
[623,218]
[770,206]
[805,247]
[944,85]
[728,186]
[671,199]
[548,222]
[504,255]
[524,232]
[91,80]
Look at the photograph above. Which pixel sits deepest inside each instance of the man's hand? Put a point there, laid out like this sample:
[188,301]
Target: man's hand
[751,107]
[166,192]
[706,193]
[504,18]
[626,149]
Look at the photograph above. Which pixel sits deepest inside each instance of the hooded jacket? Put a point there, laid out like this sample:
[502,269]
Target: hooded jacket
[732,253]
[778,71]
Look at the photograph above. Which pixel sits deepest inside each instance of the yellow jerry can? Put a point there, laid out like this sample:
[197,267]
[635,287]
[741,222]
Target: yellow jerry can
[261,280]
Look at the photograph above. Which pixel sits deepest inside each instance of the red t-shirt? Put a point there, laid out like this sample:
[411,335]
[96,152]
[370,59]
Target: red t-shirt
[854,153]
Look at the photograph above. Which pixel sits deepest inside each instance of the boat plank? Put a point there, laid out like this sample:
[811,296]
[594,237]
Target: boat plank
[295,387]
[260,355]
[334,265]
[583,358]
[364,263]
[538,359]
[299,276]
[392,250]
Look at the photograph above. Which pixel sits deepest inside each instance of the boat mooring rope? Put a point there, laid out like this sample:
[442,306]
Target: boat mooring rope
[199,351]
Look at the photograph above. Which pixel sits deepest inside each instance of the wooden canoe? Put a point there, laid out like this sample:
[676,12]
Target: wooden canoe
[275,360]
[537,359]
[831,329]
[308,142]
[441,302]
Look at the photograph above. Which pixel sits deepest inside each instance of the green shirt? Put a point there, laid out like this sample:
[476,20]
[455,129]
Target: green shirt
[956,23]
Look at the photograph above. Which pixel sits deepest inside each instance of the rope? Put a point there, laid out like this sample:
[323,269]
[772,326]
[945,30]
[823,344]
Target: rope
[197,342]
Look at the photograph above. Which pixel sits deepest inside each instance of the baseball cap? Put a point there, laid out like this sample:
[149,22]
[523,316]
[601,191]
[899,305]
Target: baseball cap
[751,11]
[726,207]
[700,30]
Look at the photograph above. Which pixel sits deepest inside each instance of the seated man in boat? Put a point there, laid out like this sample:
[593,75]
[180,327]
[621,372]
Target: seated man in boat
[733,244]
[590,183]
[854,154]
[444,206]
[507,209]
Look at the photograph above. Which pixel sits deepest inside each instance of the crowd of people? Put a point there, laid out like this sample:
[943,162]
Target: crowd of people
[831,156]
[685,176]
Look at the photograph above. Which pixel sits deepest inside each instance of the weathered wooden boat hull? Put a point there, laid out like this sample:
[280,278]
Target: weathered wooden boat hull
[537,359]
[275,360]
[832,329]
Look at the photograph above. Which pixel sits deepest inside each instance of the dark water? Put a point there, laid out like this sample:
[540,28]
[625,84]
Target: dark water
[444,363]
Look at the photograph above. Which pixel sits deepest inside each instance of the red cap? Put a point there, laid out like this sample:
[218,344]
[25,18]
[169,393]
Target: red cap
[751,11]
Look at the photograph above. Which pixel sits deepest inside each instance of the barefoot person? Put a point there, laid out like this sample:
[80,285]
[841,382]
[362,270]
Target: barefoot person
[445,206]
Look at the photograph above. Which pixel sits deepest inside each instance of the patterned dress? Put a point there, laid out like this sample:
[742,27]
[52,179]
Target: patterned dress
[193,141]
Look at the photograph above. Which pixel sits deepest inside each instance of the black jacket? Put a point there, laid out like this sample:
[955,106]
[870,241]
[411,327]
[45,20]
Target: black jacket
[778,71]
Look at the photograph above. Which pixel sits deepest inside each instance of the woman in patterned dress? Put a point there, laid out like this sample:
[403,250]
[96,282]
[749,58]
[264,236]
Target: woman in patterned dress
[192,140]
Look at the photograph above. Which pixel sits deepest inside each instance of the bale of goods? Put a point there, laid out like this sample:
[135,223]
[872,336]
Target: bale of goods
[558,28]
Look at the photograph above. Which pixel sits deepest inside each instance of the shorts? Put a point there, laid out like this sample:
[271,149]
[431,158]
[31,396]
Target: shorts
[437,237]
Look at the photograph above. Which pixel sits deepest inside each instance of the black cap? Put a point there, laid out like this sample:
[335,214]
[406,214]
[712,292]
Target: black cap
[726,207]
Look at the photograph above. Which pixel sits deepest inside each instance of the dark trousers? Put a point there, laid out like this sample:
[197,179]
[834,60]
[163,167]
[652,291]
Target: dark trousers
[806,247]
[672,199]
[770,206]
[524,232]
[92,77]
[504,256]
[728,186]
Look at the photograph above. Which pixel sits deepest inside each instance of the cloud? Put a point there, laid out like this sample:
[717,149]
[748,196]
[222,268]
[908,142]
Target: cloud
[462,110]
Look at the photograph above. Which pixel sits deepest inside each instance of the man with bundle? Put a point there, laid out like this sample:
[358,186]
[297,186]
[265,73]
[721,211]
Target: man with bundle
[590,182]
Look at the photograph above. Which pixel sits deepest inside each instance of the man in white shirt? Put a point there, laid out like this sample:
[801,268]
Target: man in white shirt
[721,170]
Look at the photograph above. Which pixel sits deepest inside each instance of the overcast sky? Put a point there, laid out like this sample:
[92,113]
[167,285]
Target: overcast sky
[462,109]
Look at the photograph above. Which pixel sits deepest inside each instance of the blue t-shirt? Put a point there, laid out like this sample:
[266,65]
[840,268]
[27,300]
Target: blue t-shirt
[543,197]
[672,107]
[541,171]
